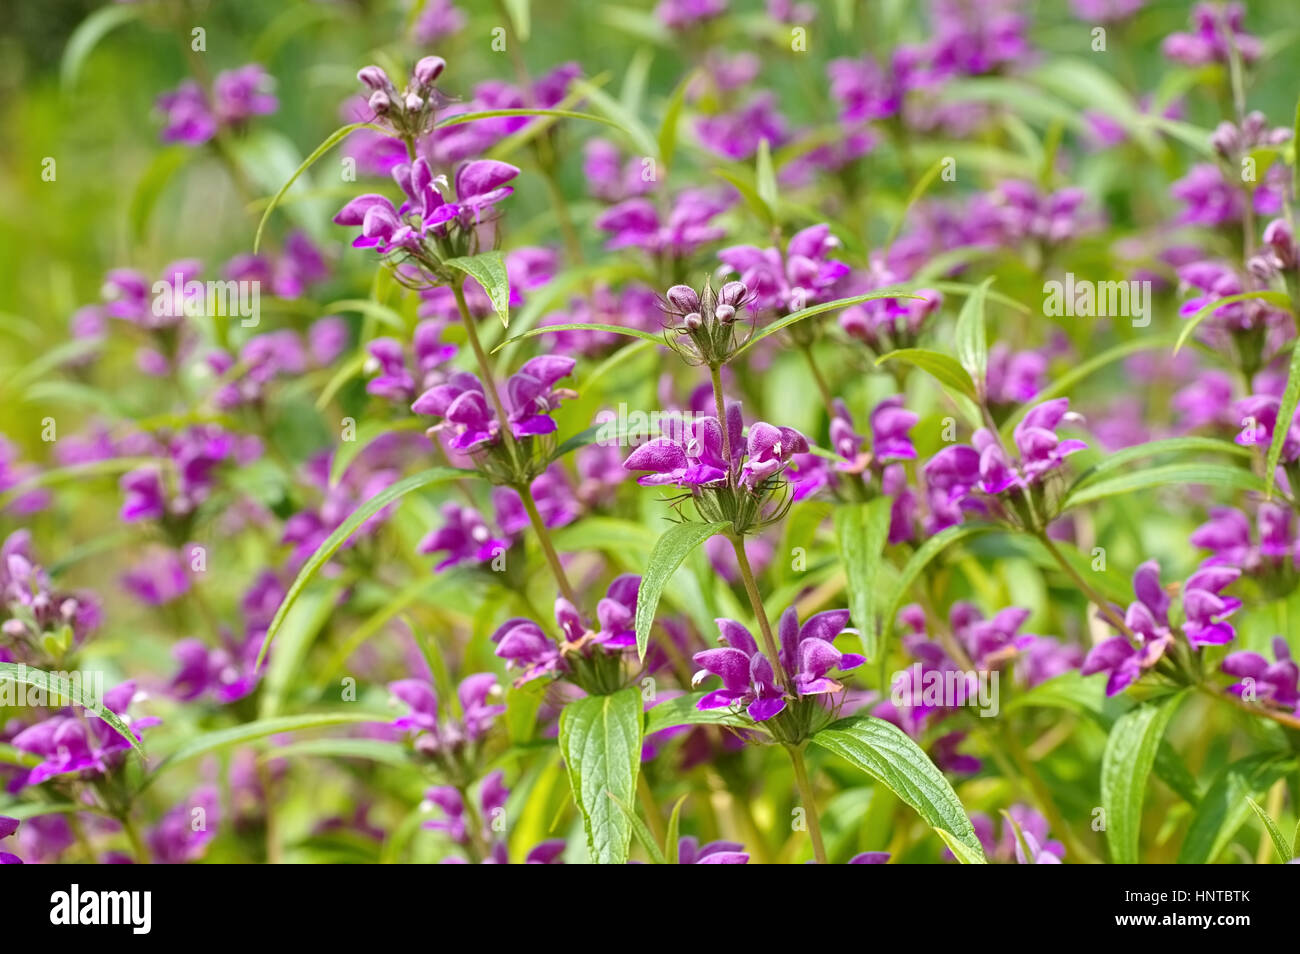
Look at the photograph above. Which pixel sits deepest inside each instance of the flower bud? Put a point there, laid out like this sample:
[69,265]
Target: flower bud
[694,321]
[1261,268]
[1278,235]
[428,69]
[379,102]
[725,314]
[414,103]
[1226,140]
[375,78]
[683,298]
[733,293]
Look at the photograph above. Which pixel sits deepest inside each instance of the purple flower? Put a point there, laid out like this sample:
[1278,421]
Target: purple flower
[1259,680]
[1215,28]
[523,645]
[158,579]
[683,14]
[240,94]
[184,832]
[1148,619]
[636,223]
[1205,608]
[7,827]
[1229,534]
[696,461]
[187,117]
[464,537]
[438,20]
[71,745]
[691,852]
[736,135]
[793,280]
[990,642]
[748,679]
[435,737]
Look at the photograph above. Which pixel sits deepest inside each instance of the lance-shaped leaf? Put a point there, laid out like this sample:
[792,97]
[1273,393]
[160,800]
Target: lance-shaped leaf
[600,739]
[943,368]
[1224,809]
[59,688]
[1274,833]
[1125,765]
[1177,475]
[332,140]
[489,270]
[1285,414]
[884,752]
[972,340]
[862,530]
[814,310]
[669,552]
[345,530]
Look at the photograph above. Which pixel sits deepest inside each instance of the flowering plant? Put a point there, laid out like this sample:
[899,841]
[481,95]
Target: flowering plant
[778,432]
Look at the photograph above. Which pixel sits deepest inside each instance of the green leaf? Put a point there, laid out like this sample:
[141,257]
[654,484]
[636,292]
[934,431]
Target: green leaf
[681,710]
[1273,298]
[672,855]
[1285,413]
[1275,835]
[944,369]
[669,552]
[1115,460]
[749,192]
[972,339]
[371,309]
[252,731]
[332,140]
[582,326]
[960,850]
[161,169]
[301,628]
[814,310]
[60,688]
[641,831]
[884,752]
[862,531]
[1125,764]
[520,18]
[1223,810]
[1213,475]
[672,116]
[87,35]
[765,175]
[371,750]
[345,530]
[618,117]
[462,118]
[922,186]
[489,270]
[919,561]
[600,738]
[367,433]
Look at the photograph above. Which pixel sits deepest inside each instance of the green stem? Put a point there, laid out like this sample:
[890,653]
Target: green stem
[1107,610]
[544,538]
[720,404]
[807,797]
[133,836]
[760,614]
[653,820]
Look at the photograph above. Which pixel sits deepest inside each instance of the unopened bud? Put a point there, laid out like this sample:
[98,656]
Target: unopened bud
[414,103]
[428,69]
[1226,140]
[694,321]
[1278,235]
[375,78]
[733,293]
[683,298]
[725,314]
[379,102]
